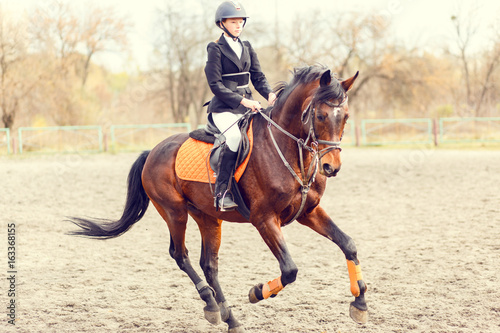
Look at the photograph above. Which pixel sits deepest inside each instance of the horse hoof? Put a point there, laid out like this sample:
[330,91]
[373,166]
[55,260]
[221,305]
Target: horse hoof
[254,294]
[213,317]
[359,316]
[239,329]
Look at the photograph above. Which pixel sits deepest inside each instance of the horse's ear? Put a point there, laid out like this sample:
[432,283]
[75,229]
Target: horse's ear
[347,84]
[326,78]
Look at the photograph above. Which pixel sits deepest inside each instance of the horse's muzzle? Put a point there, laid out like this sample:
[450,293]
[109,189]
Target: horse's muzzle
[328,170]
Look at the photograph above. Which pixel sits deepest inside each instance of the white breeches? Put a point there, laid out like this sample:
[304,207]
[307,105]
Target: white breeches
[223,121]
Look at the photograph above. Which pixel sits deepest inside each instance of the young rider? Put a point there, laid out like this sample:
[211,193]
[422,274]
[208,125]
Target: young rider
[231,64]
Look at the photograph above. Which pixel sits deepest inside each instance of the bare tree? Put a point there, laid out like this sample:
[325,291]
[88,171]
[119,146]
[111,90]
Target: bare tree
[477,82]
[350,42]
[69,41]
[181,46]
[492,63]
[55,31]
[103,30]
[465,29]
[16,74]
[55,34]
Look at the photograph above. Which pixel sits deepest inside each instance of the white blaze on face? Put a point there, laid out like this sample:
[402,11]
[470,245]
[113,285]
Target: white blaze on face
[336,112]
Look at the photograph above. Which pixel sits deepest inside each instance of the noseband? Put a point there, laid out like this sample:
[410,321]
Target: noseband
[309,177]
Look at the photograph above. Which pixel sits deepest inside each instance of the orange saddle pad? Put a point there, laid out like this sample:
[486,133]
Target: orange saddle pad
[192,160]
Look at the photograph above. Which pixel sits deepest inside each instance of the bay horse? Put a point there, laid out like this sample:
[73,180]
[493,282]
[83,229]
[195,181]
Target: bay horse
[296,148]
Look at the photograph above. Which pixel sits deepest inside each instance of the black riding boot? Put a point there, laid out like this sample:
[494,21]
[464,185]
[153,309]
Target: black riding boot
[223,198]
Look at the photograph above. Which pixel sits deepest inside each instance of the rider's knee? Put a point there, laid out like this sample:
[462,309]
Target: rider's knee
[233,141]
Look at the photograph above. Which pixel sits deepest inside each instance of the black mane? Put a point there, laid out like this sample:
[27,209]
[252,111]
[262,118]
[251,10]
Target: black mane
[305,75]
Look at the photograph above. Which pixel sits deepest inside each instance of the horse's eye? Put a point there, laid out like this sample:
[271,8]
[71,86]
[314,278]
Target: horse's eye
[321,117]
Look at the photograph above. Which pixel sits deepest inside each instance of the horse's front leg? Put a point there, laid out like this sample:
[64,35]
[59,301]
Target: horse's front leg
[320,222]
[270,230]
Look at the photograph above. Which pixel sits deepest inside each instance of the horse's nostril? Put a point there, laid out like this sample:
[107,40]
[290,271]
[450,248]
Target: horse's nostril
[329,170]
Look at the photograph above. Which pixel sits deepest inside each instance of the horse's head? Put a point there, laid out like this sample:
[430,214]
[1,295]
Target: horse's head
[324,117]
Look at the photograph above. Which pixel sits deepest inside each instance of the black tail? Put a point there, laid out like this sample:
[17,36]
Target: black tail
[135,207]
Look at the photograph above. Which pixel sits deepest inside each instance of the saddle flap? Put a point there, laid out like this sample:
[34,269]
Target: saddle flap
[214,156]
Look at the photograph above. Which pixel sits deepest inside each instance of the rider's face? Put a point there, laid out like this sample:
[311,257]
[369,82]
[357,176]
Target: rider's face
[234,25]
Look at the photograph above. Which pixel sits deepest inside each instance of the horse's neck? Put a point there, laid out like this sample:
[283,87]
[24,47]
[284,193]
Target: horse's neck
[289,116]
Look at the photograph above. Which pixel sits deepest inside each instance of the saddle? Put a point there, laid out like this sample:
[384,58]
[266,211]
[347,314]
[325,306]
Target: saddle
[211,134]
[198,156]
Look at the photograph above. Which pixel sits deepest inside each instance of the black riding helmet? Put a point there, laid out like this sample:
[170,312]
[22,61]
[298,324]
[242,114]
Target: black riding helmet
[229,9]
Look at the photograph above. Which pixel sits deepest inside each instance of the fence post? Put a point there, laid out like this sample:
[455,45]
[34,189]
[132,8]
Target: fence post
[357,135]
[435,131]
[105,141]
[14,145]
[20,136]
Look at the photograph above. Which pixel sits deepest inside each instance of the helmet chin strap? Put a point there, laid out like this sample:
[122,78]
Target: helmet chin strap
[227,31]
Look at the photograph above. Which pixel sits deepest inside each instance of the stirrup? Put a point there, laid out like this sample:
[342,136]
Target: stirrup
[225,202]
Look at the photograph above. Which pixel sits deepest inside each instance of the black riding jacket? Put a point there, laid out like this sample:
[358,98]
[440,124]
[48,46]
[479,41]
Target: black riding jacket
[228,76]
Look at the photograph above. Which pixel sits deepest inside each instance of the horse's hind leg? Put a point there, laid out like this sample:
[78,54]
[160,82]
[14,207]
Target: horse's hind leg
[176,218]
[210,229]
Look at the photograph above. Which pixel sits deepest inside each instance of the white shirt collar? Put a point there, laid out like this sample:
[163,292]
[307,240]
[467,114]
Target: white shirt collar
[235,45]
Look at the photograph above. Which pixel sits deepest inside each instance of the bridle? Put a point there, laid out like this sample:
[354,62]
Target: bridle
[307,178]
[310,112]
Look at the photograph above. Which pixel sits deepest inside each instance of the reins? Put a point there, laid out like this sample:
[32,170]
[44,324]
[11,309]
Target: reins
[307,179]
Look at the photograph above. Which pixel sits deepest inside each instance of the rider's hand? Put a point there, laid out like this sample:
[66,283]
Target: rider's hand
[253,105]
